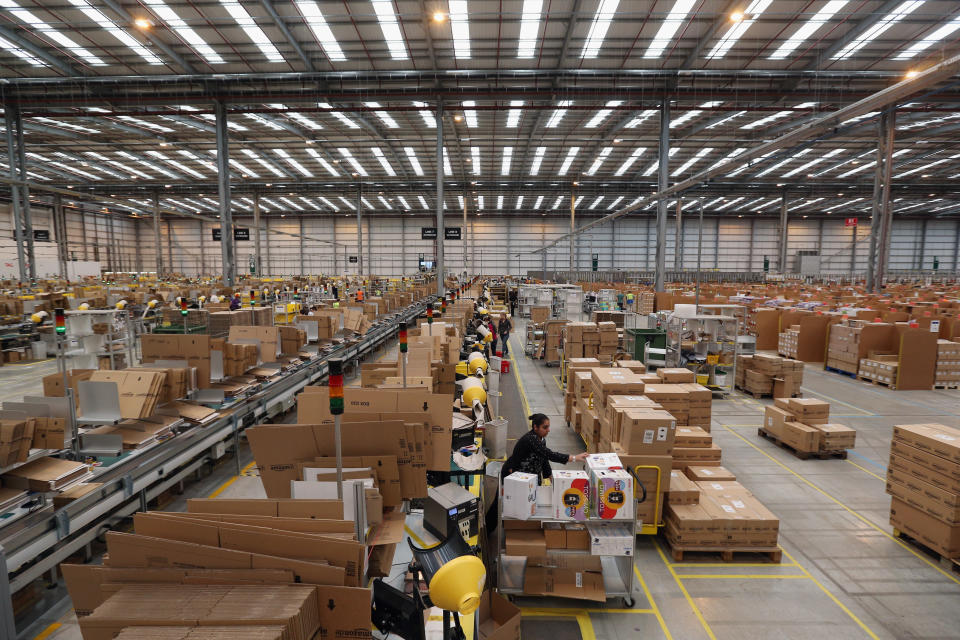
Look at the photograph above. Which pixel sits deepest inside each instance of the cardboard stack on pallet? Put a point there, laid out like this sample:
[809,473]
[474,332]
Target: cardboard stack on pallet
[924,479]
[695,447]
[644,302]
[579,385]
[581,340]
[947,373]
[788,341]
[803,424]
[843,348]
[765,374]
[880,368]
[604,382]
[609,341]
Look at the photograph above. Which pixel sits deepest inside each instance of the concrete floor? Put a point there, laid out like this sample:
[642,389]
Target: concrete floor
[843,574]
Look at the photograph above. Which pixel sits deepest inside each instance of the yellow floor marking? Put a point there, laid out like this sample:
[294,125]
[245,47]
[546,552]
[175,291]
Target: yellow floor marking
[880,478]
[586,627]
[418,539]
[740,576]
[686,594]
[568,612]
[523,394]
[653,604]
[46,633]
[849,510]
[855,408]
[731,564]
[229,482]
[557,380]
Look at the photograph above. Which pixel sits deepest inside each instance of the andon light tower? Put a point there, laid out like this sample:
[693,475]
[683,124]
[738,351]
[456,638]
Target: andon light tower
[402,336]
[335,380]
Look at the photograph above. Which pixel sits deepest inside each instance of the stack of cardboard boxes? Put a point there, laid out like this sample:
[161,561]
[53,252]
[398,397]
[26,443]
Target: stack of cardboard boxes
[924,479]
[695,447]
[292,340]
[843,348]
[880,368]
[787,342]
[804,425]
[948,364]
[766,374]
[604,382]
[581,340]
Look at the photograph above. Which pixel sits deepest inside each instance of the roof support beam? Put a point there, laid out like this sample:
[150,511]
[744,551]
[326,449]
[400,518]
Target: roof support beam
[55,62]
[153,39]
[285,30]
[707,38]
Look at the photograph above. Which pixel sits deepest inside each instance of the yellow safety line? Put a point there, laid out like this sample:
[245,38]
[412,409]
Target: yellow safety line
[686,594]
[848,509]
[741,576]
[557,380]
[568,612]
[229,482]
[418,539]
[854,407]
[586,627]
[730,564]
[867,471]
[653,604]
[523,394]
[46,633]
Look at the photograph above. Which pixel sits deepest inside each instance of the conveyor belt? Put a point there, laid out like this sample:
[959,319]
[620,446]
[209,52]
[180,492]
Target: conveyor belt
[37,543]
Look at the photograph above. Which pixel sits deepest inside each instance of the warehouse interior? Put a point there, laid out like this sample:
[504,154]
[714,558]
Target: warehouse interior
[715,244]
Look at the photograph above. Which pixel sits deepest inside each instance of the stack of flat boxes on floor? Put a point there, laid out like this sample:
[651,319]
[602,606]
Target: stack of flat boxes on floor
[880,367]
[644,302]
[924,479]
[766,374]
[804,425]
[843,348]
[947,373]
[787,342]
[590,340]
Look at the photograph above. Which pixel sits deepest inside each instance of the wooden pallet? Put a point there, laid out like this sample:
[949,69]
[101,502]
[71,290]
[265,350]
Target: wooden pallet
[758,396]
[879,383]
[803,455]
[849,374]
[946,386]
[950,564]
[727,554]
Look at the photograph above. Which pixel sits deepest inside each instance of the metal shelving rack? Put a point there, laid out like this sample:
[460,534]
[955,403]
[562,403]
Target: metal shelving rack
[708,346]
[84,347]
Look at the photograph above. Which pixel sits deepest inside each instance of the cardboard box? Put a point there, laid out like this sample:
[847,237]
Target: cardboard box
[675,375]
[934,464]
[647,432]
[611,494]
[692,437]
[611,540]
[498,618]
[577,537]
[936,439]
[519,495]
[774,418]
[698,473]
[834,437]
[555,535]
[532,544]
[801,437]
[804,408]
[682,489]
[564,583]
[939,536]
[571,495]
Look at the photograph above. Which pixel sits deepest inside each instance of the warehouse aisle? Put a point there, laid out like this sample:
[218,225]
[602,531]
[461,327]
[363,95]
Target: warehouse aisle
[843,574]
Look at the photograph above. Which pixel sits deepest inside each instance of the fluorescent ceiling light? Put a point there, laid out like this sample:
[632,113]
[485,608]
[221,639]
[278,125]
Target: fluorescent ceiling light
[738,28]
[177,165]
[267,165]
[529,28]
[599,160]
[933,38]
[475,160]
[892,18]
[290,203]
[256,34]
[601,115]
[571,154]
[808,28]
[383,115]
[630,160]
[656,163]
[347,203]
[460,28]
[353,161]
[34,22]
[298,117]
[22,54]
[428,118]
[378,154]
[777,116]
[65,125]
[746,165]
[725,120]
[113,29]
[802,168]
[146,124]
[499,202]
[690,114]
[513,116]
[864,166]
[644,115]
[447,169]
[470,114]
[391,29]
[606,12]
[384,201]
[313,153]
[845,203]
[480,202]
[614,203]
[403,201]
[321,30]
[789,157]
[505,162]
[558,114]
[269,124]
[729,204]
[926,166]
[556,204]
[293,163]
[423,202]
[805,203]
[519,202]
[692,161]
[536,205]
[537,159]
[366,203]
[339,116]
[593,205]
[668,28]
[191,37]
[414,162]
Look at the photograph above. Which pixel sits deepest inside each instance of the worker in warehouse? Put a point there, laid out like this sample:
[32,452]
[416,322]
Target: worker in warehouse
[503,330]
[235,302]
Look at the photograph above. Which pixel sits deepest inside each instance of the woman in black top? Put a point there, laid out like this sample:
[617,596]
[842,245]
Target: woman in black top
[531,454]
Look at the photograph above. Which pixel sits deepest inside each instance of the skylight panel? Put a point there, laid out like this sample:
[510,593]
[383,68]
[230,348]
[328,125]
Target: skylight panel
[460,202]
[347,203]
[313,153]
[145,124]
[536,205]
[460,28]
[629,161]
[321,30]
[428,118]
[598,28]
[353,161]
[499,202]
[926,166]
[20,53]
[480,202]
[746,165]
[807,29]
[123,166]
[892,18]
[447,169]
[865,166]
[729,204]
[290,203]
[403,201]
[804,203]
[286,157]
[148,165]
[558,114]
[255,33]
[613,204]
[378,154]
[113,29]
[366,203]
[269,124]
[571,154]
[190,36]
[656,163]
[599,160]
[33,21]
[414,162]
[272,169]
[736,31]
[644,115]
[777,116]
[65,125]
[845,203]
[812,163]
[669,27]
[789,157]
[475,160]
[578,201]
[423,202]
[692,161]
[556,204]
[870,114]
[920,124]
[339,116]
[313,205]
[593,205]
[930,40]
[725,120]
[529,28]
[513,116]
[313,125]
[925,203]
[470,115]
[383,115]
[772,202]
[60,165]
[391,29]
[537,160]
[519,202]
[505,162]
[693,113]
[601,115]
